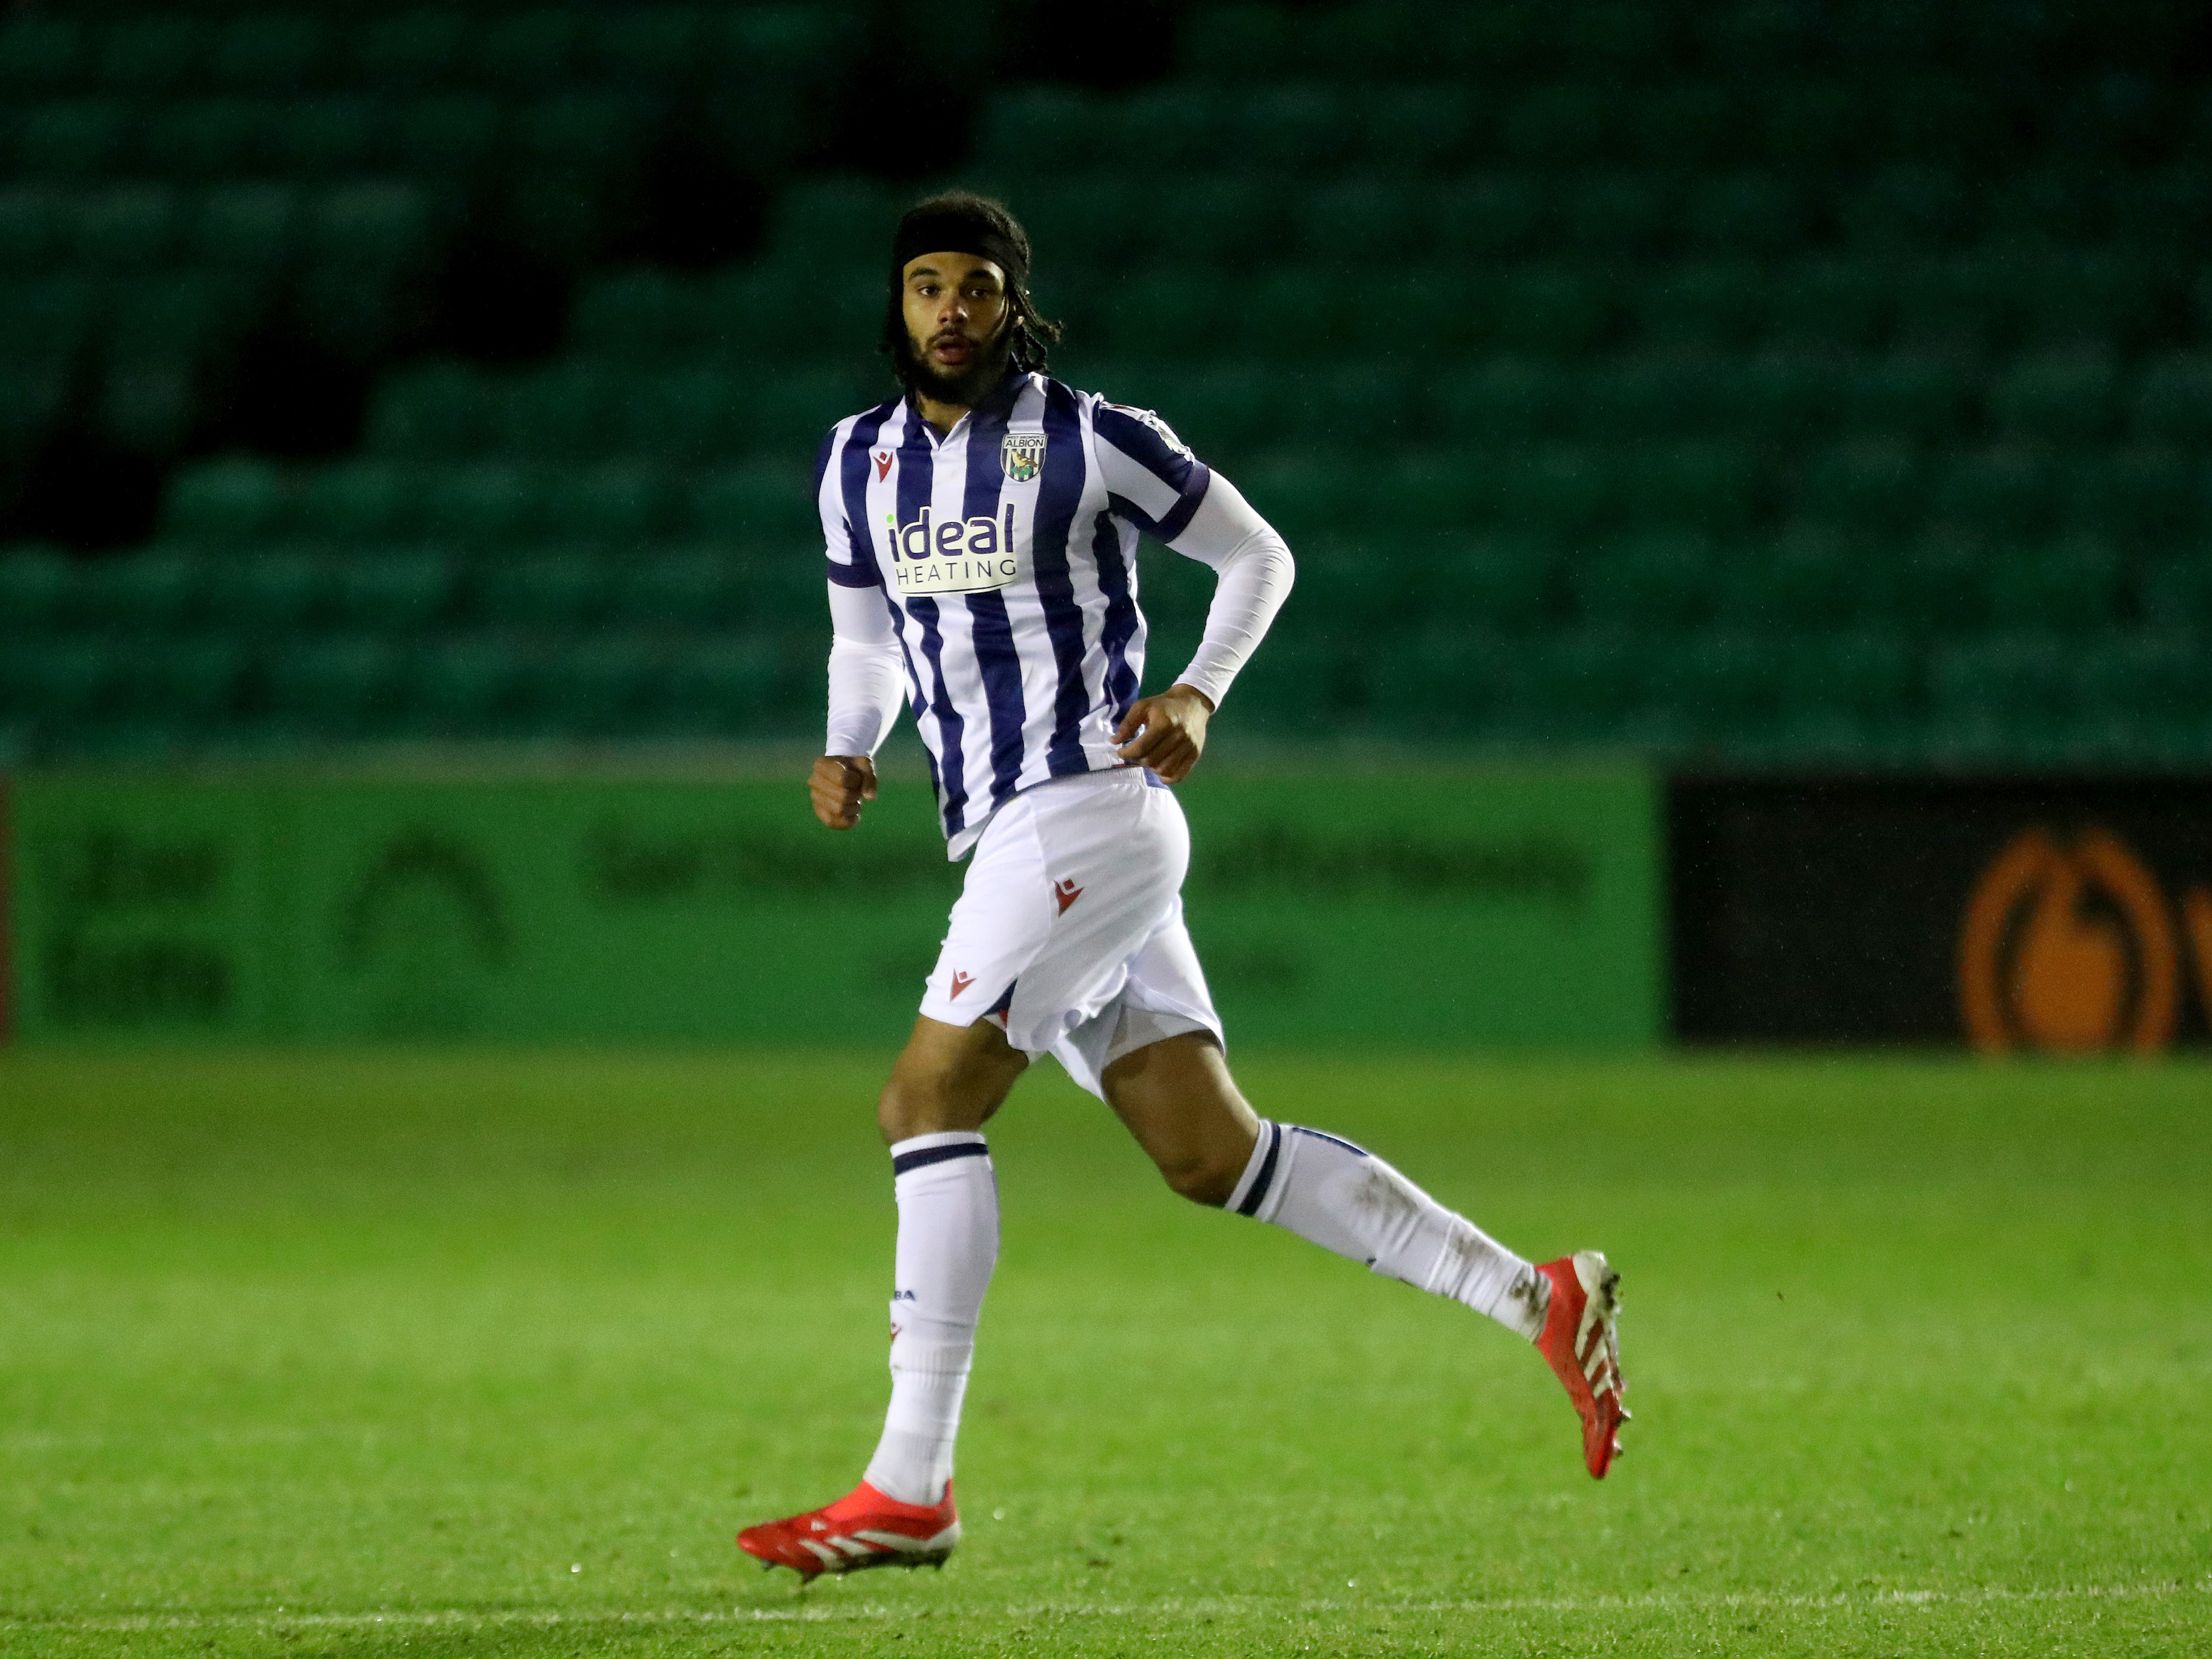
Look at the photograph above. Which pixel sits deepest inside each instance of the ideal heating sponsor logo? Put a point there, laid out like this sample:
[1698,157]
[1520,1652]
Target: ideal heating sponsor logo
[959,556]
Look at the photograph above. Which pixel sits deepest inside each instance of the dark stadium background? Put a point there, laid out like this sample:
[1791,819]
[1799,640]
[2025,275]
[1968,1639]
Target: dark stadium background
[1795,388]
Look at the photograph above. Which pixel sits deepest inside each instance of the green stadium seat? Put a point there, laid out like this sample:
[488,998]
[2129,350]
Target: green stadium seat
[34,399]
[2172,401]
[580,134]
[147,407]
[483,505]
[724,683]
[2094,297]
[360,501]
[411,50]
[41,53]
[694,587]
[2177,592]
[1074,219]
[1347,588]
[37,585]
[638,316]
[1159,130]
[762,509]
[1865,678]
[1491,216]
[2005,490]
[1906,208]
[2005,692]
[75,140]
[2066,397]
[1650,396]
[1047,129]
[452,137]
[1556,491]
[470,684]
[526,51]
[1430,491]
[792,415]
[1236,42]
[1358,219]
[1867,483]
[1748,214]
[1562,123]
[33,232]
[1582,684]
[191,681]
[2168,210]
[1305,495]
[1830,301]
[1710,485]
[833,223]
[345,684]
[604,684]
[1218,411]
[1418,129]
[271,592]
[1610,212]
[1355,407]
[685,417]
[563,412]
[47,322]
[1807,581]
[1812,125]
[192,141]
[1935,584]
[1452,679]
[1921,395]
[150,55]
[623,504]
[796,45]
[558,587]
[2109,117]
[1553,310]
[2056,206]
[2070,587]
[661,45]
[328,138]
[127,229]
[440,412]
[232,502]
[1687,125]
[1303,128]
[2152,495]
[1500,582]
[1221,218]
[1648,581]
[395,592]
[1720,685]
[58,680]
[271,53]
[1957,119]
[248,230]
[2149,690]
[1719,303]
[1787,394]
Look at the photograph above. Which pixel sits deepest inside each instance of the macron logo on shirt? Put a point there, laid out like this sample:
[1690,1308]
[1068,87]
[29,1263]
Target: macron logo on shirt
[960,556]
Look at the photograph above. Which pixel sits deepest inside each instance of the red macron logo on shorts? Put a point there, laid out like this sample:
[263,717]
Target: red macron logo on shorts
[883,464]
[961,983]
[1067,892]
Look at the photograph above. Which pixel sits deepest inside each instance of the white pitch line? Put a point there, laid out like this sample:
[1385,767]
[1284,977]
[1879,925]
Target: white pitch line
[1213,1606]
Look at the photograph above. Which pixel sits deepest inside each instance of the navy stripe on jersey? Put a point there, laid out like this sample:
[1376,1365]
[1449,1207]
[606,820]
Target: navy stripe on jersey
[853,490]
[1058,502]
[1117,581]
[989,625]
[951,781]
[1265,1178]
[1142,443]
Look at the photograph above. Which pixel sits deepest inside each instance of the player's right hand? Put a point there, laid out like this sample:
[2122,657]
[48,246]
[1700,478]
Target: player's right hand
[839,785]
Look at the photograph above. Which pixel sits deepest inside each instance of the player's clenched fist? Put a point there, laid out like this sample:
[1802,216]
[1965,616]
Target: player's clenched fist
[1166,733]
[839,785]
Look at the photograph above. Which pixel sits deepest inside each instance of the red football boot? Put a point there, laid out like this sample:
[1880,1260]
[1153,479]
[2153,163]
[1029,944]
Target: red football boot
[864,1529]
[1581,1340]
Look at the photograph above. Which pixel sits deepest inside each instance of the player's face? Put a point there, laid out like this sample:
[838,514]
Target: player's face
[957,314]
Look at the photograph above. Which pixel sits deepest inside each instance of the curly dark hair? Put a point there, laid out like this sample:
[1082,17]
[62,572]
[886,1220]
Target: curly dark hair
[962,220]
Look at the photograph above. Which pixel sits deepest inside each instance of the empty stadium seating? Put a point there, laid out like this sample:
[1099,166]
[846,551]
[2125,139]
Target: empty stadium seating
[1779,380]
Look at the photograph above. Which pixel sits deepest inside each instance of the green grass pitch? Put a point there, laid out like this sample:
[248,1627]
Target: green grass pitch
[491,1353]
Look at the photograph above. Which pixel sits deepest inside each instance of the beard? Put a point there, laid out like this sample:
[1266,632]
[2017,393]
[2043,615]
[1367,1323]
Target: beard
[965,387]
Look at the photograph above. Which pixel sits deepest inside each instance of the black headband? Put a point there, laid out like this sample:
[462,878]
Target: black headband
[956,232]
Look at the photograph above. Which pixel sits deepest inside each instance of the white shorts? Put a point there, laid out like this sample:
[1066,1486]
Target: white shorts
[1069,928]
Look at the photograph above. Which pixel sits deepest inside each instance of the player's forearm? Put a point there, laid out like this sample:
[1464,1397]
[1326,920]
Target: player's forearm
[1251,582]
[866,669]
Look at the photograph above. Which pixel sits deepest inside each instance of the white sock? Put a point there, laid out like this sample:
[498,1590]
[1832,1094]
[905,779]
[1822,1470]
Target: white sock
[948,1242]
[1348,1201]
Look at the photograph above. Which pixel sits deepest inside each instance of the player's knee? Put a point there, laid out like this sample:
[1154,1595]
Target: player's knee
[1201,1179]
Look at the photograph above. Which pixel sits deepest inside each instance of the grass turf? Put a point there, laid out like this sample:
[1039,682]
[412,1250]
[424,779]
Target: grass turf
[490,1353]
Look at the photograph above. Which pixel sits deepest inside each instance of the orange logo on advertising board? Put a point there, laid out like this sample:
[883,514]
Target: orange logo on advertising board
[2071,949]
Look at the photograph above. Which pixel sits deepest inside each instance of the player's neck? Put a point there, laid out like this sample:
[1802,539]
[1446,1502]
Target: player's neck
[942,416]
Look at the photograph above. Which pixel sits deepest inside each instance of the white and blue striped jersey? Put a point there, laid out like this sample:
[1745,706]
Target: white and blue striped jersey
[1006,554]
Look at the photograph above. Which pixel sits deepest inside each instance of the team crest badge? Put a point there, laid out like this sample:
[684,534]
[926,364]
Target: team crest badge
[1023,455]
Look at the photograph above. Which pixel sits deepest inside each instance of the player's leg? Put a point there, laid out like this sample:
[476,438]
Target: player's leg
[1177,1097]
[947,1082]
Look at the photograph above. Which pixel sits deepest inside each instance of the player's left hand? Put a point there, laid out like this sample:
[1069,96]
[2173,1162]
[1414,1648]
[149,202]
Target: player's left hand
[1173,727]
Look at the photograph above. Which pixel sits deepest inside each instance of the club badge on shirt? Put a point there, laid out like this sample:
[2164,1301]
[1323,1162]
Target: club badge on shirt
[1023,455]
